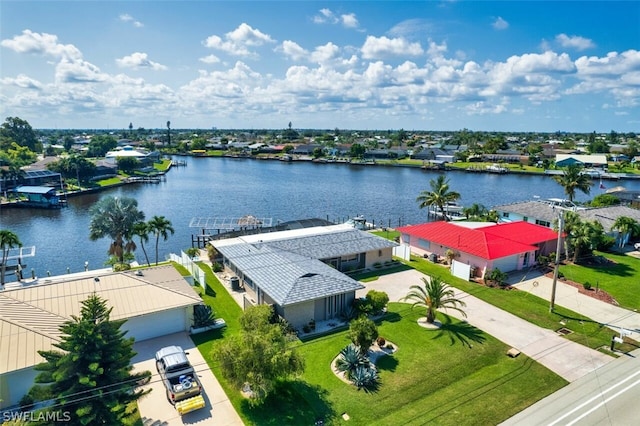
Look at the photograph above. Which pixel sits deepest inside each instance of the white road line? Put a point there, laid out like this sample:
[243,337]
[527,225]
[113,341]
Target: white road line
[604,402]
[589,401]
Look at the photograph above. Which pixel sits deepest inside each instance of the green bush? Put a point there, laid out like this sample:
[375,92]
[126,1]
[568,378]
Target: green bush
[203,316]
[587,285]
[377,300]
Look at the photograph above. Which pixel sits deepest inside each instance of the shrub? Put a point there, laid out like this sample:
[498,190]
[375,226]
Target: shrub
[365,377]
[348,360]
[363,332]
[216,267]
[378,300]
[587,285]
[203,316]
[363,305]
[381,341]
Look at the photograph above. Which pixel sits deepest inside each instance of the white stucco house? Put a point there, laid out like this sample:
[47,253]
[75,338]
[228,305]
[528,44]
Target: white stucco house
[155,302]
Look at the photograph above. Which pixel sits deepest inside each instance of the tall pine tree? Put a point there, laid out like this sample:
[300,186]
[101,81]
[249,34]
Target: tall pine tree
[91,379]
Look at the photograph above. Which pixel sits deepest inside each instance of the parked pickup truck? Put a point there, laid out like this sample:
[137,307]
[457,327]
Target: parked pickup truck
[180,379]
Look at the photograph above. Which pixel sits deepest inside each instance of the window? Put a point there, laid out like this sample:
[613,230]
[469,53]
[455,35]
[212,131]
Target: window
[505,214]
[526,219]
[379,253]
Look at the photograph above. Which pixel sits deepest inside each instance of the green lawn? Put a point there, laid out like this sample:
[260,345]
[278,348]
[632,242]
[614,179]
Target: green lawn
[620,279]
[451,376]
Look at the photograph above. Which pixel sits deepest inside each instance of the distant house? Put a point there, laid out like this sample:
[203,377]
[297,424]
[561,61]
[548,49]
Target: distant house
[155,303]
[301,272]
[145,158]
[541,212]
[508,247]
[594,160]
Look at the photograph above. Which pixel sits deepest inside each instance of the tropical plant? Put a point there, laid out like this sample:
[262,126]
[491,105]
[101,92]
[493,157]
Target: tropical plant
[115,217]
[584,238]
[160,227]
[496,276]
[450,255]
[573,179]
[91,376]
[435,294]
[192,252]
[8,240]
[626,227]
[366,377]
[203,316]
[349,359]
[475,210]
[363,332]
[439,196]
[141,230]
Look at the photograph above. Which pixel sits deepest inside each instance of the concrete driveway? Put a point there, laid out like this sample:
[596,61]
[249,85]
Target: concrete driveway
[568,359]
[156,410]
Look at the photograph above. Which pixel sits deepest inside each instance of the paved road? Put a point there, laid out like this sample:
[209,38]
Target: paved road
[155,409]
[568,359]
[607,396]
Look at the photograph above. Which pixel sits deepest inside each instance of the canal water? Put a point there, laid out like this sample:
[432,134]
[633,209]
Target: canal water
[231,188]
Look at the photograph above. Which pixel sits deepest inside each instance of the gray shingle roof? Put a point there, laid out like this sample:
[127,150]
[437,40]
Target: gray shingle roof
[289,270]
[334,244]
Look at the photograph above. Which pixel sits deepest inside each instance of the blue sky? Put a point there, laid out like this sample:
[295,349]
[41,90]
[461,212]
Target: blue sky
[418,65]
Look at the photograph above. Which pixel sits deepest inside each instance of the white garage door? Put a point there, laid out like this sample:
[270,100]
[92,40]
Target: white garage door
[157,324]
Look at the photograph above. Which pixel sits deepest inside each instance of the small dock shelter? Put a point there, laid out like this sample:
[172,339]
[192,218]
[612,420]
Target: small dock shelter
[39,196]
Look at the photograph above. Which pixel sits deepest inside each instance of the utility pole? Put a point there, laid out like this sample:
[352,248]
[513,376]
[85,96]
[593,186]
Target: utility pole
[557,263]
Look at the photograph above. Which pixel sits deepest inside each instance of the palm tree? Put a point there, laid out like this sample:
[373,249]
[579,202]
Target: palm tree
[439,196]
[160,227]
[141,230]
[8,240]
[434,295]
[573,179]
[626,227]
[475,211]
[584,237]
[114,218]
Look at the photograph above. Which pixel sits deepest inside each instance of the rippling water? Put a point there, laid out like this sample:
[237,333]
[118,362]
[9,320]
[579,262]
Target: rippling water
[230,188]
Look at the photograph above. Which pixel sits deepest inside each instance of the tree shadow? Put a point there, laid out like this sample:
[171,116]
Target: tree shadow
[387,363]
[291,403]
[463,332]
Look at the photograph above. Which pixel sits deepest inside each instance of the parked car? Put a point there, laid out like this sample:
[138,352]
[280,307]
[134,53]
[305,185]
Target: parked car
[184,390]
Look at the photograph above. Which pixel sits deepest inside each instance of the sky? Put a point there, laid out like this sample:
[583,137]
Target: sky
[512,66]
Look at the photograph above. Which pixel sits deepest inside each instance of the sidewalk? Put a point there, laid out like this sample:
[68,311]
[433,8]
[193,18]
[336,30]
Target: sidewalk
[568,359]
[569,297]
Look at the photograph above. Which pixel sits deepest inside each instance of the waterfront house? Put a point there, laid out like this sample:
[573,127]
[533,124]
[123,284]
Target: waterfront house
[301,272]
[593,160]
[154,302]
[38,196]
[484,246]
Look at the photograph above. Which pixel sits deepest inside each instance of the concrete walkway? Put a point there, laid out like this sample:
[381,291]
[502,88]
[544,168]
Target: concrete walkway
[568,359]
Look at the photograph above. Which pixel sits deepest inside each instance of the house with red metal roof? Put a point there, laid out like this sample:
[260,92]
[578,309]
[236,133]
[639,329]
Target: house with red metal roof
[506,246]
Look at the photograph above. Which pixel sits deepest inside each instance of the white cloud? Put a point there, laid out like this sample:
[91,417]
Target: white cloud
[238,41]
[325,53]
[210,59]
[125,17]
[22,81]
[349,20]
[293,50]
[574,42]
[500,24]
[326,16]
[379,47]
[78,71]
[139,60]
[41,44]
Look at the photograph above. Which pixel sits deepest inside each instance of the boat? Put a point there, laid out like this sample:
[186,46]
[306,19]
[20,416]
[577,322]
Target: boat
[496,168]
[453,210]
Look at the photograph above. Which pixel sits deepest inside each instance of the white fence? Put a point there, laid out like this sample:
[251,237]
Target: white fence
[403,251]
[191,266]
